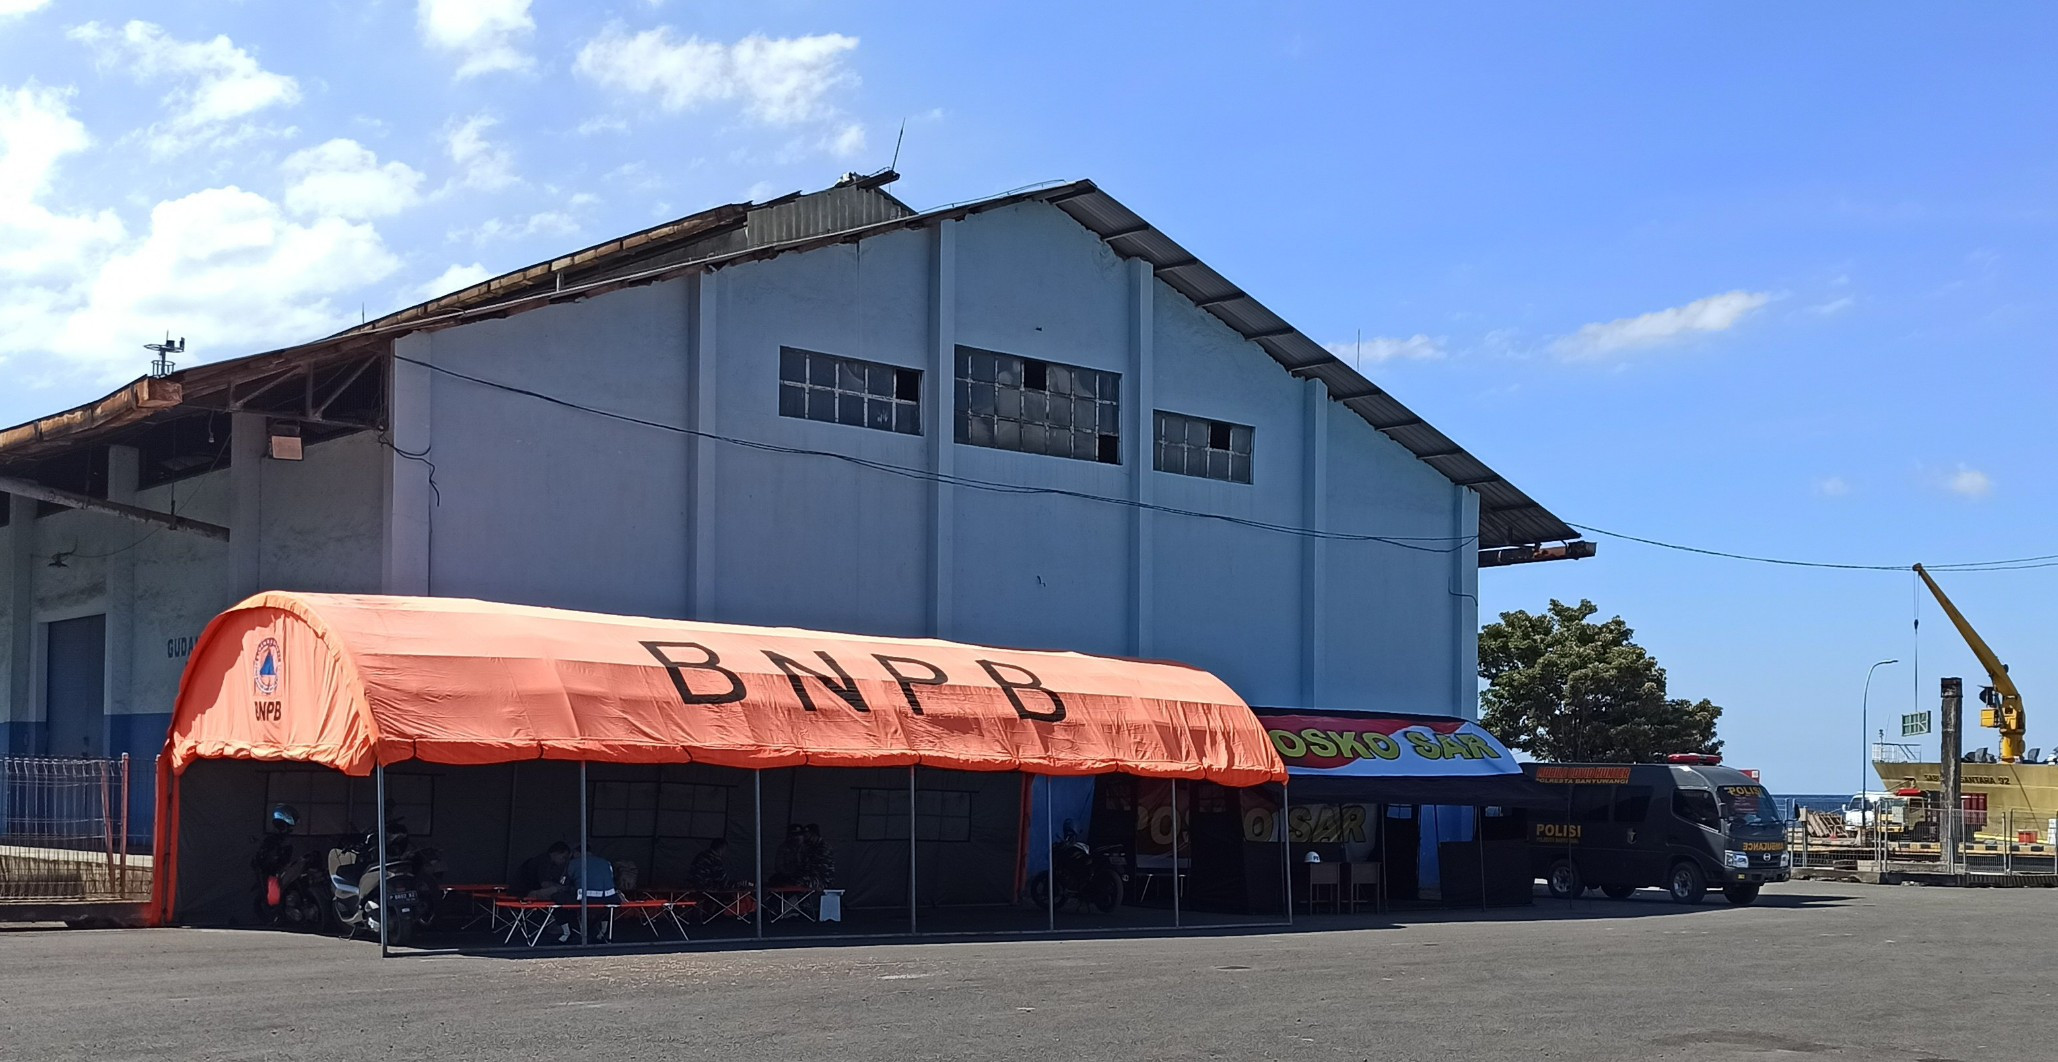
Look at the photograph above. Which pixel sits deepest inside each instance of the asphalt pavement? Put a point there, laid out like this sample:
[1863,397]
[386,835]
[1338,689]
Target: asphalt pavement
[1818,971]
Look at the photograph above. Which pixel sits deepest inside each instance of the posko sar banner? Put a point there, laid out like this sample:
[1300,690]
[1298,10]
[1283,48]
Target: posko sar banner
[1347,745]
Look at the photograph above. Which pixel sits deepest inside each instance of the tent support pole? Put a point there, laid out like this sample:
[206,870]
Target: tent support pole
[514,781]
[584,921]
[1286,851]
[757,836]
[380,815]
[1176,923]
[1385,838]
[913,921]
[1479,837]
[1050,872]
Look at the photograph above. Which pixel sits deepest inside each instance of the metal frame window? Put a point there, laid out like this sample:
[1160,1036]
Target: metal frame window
[1038,407]
[940,815]
[659,809]
[1210,449]
[332,804]
[861,394]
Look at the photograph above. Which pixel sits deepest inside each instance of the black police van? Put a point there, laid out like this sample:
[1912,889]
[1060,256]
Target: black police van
[1684,826]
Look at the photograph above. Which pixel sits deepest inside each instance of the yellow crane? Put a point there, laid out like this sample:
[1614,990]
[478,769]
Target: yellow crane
[2003,702]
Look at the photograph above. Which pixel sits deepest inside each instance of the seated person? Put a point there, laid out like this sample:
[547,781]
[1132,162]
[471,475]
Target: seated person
[542,876]
[711,868]
[590,878]
[818,860]
[791,865]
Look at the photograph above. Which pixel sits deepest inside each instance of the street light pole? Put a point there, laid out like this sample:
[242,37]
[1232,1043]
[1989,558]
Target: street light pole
[1865,728]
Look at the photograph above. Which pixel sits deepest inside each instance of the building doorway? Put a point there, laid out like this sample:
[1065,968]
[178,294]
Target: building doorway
[75,685]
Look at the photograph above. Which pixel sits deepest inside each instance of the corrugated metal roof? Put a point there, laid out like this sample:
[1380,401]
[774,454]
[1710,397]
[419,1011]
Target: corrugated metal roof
[854,209]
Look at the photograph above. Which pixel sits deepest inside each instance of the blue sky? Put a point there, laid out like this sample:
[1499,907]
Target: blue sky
[1777,281]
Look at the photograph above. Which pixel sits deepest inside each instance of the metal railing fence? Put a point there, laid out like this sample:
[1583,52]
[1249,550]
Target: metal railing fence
[65,832]
[2008,841]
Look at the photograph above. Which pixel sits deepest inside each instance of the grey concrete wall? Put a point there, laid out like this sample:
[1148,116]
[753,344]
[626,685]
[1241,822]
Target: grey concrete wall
[544,505]
[541,504]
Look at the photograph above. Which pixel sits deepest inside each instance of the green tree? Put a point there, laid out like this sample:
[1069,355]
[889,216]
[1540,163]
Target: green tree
[1568,689]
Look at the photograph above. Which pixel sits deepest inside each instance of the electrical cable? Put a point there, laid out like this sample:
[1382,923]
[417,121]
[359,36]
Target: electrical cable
[924,475]
[2012,564]
[1401,541]
[172,496]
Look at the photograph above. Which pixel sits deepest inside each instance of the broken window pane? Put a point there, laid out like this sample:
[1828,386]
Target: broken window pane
[1197,446]
[1034,408]
[862,394]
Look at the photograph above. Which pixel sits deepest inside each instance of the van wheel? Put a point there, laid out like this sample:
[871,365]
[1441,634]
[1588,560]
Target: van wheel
[1563,880]
[1687,884]
[1741,895]
[1619,892]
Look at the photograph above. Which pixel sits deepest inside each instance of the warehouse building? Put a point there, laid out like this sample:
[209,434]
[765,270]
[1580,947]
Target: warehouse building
[1031,421]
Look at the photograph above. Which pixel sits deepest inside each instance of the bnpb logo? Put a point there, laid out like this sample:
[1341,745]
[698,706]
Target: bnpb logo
[264,667]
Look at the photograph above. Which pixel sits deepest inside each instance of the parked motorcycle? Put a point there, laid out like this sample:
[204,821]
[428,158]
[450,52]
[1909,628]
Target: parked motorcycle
[1086,876]
[355,896]
[286,893]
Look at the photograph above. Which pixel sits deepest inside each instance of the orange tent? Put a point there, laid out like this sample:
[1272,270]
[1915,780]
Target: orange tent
[354,682]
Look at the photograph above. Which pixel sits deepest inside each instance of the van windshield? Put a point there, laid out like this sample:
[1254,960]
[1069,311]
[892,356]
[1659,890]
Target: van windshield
[1748,805]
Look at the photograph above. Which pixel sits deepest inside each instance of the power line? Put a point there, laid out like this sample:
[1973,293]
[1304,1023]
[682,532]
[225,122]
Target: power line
[2011,564]
[1401,541]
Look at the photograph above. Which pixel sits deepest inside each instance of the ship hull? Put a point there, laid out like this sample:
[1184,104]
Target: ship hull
[2021,798]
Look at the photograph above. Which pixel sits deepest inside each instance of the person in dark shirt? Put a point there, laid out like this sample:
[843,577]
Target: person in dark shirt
[711,867]
[818,860]
[542,876]
[791,865]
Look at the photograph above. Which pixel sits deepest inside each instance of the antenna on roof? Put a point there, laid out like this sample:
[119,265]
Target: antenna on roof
[895,164]
[163,366]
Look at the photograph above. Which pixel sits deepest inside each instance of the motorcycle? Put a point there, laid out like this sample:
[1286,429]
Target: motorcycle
[285,891]
[410,892]
[1087,876]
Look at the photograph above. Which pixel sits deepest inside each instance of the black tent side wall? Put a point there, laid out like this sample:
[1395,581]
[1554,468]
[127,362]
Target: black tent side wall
[221,820]
[463,813]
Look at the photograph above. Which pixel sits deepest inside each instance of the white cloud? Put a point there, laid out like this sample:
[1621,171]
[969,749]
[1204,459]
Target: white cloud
[1833,306]
[637,175]
[1716,313]
[344,179]
[21,7]
[542,223]
[605,123]
[227,268]
[224,267]
[215,84]
[1378,349]
[456,278]
[1832,487]
[781,81]
[1969,481]
[846,142]
[482,165]
[45,254]
[486,35]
